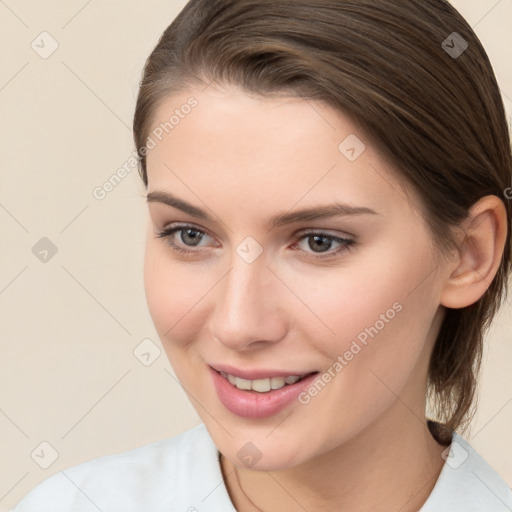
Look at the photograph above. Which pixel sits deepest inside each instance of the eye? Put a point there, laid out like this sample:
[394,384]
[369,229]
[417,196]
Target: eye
[321,244]
[189,236]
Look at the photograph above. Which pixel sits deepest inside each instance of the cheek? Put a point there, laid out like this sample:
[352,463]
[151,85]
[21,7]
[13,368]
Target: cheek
[175,293]
[381,324]
[373,315]
[360,300]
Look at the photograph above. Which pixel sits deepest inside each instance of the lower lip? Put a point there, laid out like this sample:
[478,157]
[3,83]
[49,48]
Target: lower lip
[254,405]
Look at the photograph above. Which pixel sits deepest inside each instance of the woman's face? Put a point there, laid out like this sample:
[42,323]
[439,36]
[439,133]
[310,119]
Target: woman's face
[352,294]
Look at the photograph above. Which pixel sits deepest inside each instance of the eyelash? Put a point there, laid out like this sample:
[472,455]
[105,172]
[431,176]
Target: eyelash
[346,244]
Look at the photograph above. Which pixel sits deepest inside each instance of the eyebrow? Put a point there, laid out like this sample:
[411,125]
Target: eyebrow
[282,219]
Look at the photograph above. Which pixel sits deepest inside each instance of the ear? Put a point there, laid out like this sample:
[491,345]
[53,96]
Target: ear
[482,241]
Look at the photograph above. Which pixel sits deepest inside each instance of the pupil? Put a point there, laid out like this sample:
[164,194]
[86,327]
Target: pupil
[194,239]
[319,238]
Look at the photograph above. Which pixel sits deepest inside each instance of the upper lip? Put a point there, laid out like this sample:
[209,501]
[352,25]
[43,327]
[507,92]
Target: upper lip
[262,373]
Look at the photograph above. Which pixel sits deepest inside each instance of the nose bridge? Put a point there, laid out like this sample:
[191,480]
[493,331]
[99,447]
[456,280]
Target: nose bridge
[242,296]
[246,308]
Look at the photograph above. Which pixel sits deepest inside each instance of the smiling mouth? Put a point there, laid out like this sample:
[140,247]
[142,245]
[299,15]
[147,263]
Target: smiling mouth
[263,385]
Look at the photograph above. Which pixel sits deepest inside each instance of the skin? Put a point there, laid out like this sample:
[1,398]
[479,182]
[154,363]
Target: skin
[362,443]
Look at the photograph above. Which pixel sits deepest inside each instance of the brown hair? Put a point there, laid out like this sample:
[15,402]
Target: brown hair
[390,65]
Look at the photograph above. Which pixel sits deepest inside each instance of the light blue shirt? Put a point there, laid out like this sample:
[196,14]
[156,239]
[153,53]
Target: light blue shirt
[183,474]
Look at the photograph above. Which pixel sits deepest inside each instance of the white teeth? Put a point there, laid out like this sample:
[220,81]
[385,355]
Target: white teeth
[277,382]
[260,385]
[243,383]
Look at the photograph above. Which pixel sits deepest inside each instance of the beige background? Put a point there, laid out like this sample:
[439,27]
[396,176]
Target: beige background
[69,325]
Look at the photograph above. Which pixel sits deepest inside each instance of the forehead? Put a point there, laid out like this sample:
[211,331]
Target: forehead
[284,149]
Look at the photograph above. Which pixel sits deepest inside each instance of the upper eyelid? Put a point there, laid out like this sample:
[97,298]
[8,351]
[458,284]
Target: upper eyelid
[298,231]
[179,226]
[321,231]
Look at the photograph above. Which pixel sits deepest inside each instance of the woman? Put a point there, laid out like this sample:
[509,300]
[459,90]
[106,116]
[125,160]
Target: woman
[328,239]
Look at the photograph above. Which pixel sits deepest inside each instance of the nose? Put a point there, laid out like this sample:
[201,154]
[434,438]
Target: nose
[248,312]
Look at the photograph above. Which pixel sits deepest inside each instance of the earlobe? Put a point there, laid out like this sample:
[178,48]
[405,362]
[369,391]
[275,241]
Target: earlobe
[484,234]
